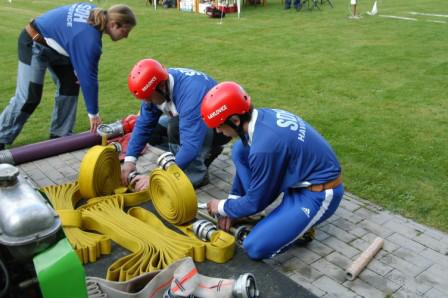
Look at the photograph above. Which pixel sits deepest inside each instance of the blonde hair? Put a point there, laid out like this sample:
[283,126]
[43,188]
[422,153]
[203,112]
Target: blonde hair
[119,13]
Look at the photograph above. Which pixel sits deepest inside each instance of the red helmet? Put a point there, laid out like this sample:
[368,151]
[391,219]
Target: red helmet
[222,101]
[145,76]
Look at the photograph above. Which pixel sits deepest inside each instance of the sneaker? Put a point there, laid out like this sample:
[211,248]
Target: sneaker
[307,237]
[213,154]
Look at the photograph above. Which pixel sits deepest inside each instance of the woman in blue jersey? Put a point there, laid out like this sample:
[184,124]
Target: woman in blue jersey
[171,106]
[278,153]
[67,42]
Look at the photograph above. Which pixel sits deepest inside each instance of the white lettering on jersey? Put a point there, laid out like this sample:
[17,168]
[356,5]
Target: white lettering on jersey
[286,119]
[190,72]
[78,13]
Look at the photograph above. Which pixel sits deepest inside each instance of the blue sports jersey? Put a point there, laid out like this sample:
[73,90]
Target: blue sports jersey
[66,30]
[188,89]
[285,152]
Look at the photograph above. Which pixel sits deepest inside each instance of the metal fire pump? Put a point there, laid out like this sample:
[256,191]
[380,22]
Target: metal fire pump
[28,226]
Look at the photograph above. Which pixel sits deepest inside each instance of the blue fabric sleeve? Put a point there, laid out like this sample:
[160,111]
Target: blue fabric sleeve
[192,132]
[147,120]
[85,53]
[267,170]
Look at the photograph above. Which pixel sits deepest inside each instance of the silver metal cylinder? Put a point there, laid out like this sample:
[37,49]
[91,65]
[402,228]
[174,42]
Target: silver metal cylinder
[204,229]
[111,130]
[246,287]
[165,160]
[241,233]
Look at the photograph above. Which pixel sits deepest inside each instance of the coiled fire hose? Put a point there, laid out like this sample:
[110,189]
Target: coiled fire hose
[171,191]
[153,246]
[180,279]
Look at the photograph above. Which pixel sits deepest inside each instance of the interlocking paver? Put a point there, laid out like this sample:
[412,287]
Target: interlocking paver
[412,263]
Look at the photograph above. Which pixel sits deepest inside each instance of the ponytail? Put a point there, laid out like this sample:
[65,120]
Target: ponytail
[120,14]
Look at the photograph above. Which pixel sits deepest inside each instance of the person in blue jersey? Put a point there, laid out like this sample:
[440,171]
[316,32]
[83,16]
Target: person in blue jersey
[278,153]
[171,108]
[67,42]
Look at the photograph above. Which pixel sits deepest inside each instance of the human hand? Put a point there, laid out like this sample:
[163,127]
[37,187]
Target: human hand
[95,121]
[212,207]
[126,169]
[140,182]
[225,223]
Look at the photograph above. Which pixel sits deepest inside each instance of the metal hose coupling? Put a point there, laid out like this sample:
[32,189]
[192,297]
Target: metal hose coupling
[204,229]
[132,175]
[241,233]
[165,160]
[117,146]
[111,130]
[169,294]
[246,287]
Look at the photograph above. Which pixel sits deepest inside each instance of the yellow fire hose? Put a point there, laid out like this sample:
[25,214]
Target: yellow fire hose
[88,246]
[153,246]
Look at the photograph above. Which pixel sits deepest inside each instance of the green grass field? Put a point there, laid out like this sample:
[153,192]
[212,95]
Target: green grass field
[376,88]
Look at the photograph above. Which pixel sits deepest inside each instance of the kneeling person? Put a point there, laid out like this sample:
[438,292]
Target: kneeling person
[177,93]
[277,153]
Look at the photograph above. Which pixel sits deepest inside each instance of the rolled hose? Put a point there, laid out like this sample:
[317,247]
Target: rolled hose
[99,172]
[171,192]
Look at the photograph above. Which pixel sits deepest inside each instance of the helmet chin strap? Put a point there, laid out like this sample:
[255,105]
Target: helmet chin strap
[166,93]
[239,130]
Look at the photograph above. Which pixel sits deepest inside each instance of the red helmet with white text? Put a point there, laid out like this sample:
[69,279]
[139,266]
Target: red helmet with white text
[145,76]
[222,101]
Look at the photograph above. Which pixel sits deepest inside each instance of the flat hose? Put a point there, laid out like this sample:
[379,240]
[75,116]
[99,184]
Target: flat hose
[152,245]
[88,246]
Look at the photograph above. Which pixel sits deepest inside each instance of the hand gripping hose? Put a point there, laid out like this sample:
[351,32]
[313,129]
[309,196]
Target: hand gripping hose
[99,175]
[180,279]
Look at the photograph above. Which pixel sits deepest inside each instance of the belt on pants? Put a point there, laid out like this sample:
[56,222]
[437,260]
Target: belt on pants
[31,30]
[328,185]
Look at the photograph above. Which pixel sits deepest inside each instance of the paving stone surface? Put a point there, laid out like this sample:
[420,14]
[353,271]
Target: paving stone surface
[413,262]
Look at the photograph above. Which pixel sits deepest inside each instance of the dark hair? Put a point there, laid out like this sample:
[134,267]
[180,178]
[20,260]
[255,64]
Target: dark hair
[120,14]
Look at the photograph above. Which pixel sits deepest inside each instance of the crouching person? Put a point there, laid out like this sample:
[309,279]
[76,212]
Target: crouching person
[277,153]
[170,114]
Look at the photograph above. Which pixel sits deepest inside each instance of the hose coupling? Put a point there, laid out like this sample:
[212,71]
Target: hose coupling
[204,229]
[111,130]
[165,160]
[169,294]
[241,233]
[132,175]
[246,287]
[117,147]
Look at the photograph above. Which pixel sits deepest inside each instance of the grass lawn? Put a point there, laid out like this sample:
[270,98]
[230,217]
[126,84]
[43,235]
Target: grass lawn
[376,88]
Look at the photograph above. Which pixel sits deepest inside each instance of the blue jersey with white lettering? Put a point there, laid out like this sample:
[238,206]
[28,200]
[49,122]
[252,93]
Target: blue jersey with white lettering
[66,30]
[285,152]
[188,89]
